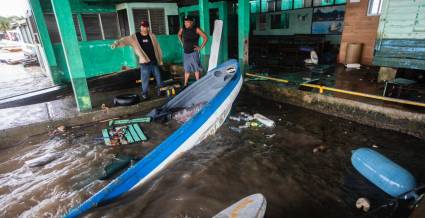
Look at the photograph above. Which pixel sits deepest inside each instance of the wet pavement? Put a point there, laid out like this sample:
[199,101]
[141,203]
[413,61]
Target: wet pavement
[362,80]
[16,79]
[221,170]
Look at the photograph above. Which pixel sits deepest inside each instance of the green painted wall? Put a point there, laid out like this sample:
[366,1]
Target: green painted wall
[100,59]
[401,34]
[172,51]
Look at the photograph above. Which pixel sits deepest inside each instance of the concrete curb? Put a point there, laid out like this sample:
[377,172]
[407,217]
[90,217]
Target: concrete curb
[367,114]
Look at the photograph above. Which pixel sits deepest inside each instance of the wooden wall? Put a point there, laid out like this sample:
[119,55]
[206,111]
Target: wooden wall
[401,35]
[359,28]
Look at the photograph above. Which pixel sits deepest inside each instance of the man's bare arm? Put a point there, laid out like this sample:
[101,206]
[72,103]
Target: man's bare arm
[204,38]
[180,36]
[121,42]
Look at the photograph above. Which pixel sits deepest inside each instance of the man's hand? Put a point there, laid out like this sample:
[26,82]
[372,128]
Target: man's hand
[197,48]
[114,45]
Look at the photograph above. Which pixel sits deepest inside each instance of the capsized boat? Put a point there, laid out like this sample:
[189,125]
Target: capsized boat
[216,91]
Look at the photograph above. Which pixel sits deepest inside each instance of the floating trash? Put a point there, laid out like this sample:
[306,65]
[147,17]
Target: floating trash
[321,148]
[363,203]
[264,120]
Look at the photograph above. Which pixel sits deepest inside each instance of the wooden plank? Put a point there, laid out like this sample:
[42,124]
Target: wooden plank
[128,136]
[105,134]
[413,43]
[140,132]
[390,53]
[134,134]
[129,121]
[399,63]
[404,35]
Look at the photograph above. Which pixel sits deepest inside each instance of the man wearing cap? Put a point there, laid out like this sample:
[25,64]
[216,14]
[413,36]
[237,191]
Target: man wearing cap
[189,37]
[147,48]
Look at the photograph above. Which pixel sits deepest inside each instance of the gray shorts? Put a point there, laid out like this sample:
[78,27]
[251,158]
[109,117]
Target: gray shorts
[192,62]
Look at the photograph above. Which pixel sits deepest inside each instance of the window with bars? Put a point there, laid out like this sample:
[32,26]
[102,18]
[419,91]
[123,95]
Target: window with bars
[155,17]
[109,25]
[302,4]
[53,30]
[281,5]
[102,26]
[97,26]
[92,26]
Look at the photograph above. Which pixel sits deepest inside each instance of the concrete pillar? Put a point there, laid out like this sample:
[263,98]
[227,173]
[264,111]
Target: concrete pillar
[204,21]
[243,32]
[223,13]
[71,48]
[45,40]
[132,27]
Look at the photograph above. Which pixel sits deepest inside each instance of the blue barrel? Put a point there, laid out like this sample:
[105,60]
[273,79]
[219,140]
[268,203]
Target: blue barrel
[381,171]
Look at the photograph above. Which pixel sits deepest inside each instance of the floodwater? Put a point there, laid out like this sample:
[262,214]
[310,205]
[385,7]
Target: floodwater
[221,170]
[16,79]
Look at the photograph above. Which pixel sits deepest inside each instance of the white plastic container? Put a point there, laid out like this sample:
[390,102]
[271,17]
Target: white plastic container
[264,120]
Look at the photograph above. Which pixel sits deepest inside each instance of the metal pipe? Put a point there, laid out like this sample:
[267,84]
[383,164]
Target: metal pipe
[323,88]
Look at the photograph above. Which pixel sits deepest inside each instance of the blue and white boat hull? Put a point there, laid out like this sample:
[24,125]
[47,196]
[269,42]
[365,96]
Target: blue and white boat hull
[204,123]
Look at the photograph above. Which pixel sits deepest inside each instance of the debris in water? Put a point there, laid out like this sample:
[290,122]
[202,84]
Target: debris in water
[43,160]
[235,118]
[61,128]
[122,135]
[57,131]
[236,129]
[270,136]
[321,148]
[120,162]
[104,108]
[355,66]
[363,203]
[253,124]
[246,116]
[264,120]
[375,146]
[250,142]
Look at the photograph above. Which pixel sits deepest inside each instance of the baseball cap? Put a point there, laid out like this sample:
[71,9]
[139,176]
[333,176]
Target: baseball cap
[189,18]
[144,23]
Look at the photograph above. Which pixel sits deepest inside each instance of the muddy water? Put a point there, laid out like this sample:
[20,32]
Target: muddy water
[72,163]
[218,172]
